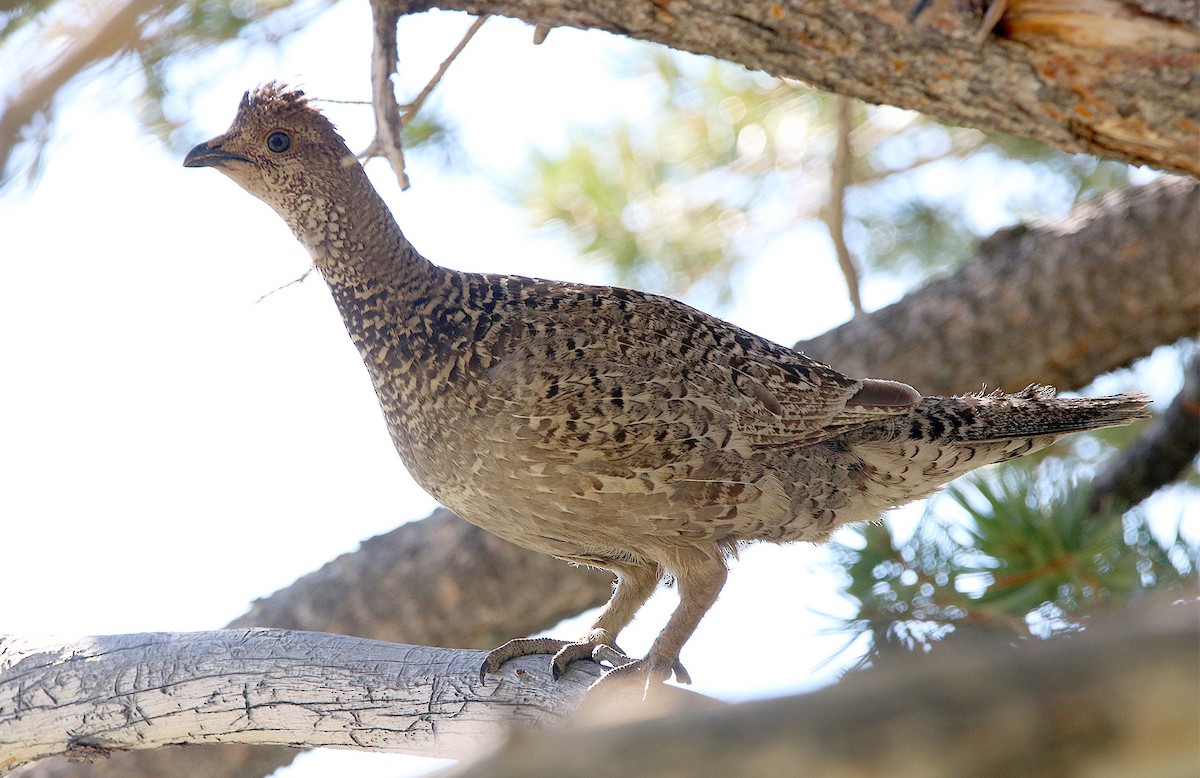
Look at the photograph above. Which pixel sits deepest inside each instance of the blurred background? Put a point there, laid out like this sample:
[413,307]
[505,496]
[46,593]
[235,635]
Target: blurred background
[182,430]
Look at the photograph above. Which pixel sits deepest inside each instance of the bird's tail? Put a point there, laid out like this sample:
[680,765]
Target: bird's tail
[909,456]
[1033,412]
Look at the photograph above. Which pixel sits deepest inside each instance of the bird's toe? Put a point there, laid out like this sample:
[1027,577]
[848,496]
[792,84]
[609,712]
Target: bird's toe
[517,648]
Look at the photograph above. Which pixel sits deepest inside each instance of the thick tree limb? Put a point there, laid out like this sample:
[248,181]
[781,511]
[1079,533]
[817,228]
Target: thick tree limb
[1059,303]
[1122,696]
[1160,454]
[1108,77]
[439,581]
[98,695]
[1121,699]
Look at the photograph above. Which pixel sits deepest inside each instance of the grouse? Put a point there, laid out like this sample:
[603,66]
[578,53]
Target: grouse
[606,426]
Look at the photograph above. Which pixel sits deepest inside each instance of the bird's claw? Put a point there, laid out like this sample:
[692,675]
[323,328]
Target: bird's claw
[516,648]
[595,650]
[597,647]
[651,672]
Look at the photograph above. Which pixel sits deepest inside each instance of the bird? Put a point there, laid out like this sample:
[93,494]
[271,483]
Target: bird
[610,427]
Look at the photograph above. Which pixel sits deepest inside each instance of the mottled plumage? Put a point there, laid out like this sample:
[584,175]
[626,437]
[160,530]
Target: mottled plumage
[607,426]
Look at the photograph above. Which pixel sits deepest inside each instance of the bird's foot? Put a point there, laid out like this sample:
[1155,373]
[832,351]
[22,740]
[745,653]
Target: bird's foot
[598,646]
[648,673]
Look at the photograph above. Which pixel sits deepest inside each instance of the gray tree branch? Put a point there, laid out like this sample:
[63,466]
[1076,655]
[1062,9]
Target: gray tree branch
[439,581]
[98,695]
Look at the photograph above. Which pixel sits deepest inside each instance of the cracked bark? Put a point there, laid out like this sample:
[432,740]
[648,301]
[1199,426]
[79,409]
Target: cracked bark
[98,695]
[1115,78]
[1118,699]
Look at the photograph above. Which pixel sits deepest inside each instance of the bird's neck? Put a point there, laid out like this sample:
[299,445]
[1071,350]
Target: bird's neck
[383,288]
[353,239]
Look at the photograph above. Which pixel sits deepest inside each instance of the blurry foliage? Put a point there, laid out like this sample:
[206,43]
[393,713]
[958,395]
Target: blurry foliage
[1024,560]
[192,27]
[173,35]
[730,159]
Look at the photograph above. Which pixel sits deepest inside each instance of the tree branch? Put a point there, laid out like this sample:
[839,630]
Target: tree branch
[1119,699]
[390,117]
[438,581]
[834,213]
[99,695]
[1081,297]
[1158,457]
[388,125]
[1108,77]
[1122,695]
[113,31]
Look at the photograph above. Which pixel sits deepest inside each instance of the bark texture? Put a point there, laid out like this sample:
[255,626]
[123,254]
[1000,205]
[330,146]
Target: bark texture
[1116,78]
[439,582]
[1059,303]
[100,695]
[1119,699]
[1123,700]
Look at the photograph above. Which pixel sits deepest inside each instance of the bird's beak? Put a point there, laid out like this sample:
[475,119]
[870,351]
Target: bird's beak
[210,154]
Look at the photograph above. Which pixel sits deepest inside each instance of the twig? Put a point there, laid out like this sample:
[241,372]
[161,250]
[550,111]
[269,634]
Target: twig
[386,142]
[410,110]
[995,13]
[390,117]
[281,287]
[835,211]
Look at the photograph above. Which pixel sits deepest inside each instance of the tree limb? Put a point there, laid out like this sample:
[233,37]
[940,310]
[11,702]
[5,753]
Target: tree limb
[1081,297]
[1121,695]
[1158,457]
[438,581]
[1108,77]
[834,212]
[1119,699]
[390,117]
[100,695]
[388,125]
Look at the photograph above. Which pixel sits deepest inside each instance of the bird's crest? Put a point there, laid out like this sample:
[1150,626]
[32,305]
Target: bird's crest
[274,97]
[275,102]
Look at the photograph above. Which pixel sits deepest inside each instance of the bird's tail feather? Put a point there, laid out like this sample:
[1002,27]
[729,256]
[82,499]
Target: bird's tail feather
[1032,412]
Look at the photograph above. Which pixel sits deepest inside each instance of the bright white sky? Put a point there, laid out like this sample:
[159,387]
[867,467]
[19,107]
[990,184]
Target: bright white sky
[170,450]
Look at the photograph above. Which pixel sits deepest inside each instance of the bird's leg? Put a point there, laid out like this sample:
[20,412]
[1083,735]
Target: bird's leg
[700,581]
[634,587]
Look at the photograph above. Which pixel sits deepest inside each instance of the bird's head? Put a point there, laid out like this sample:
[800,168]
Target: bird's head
[282,150]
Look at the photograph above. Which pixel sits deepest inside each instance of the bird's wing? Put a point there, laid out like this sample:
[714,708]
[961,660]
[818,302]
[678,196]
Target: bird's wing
[675,379]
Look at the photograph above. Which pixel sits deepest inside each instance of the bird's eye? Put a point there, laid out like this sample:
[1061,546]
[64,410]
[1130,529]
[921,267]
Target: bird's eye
[279,141]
